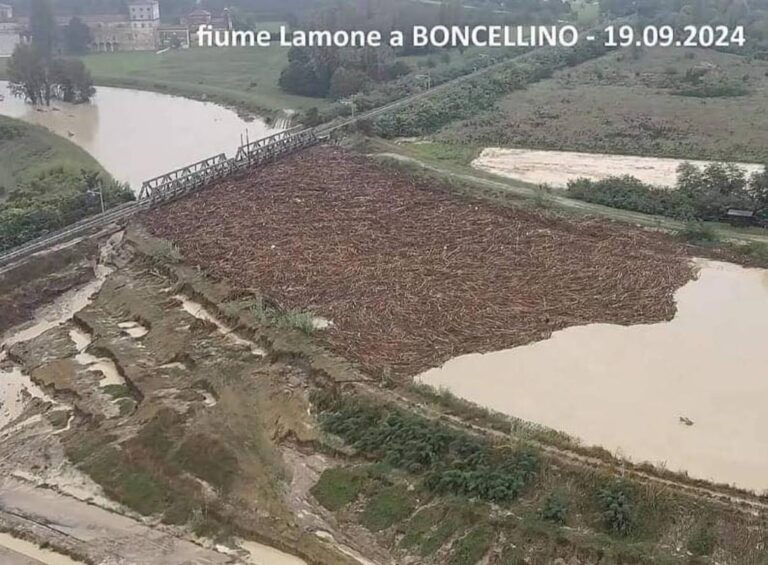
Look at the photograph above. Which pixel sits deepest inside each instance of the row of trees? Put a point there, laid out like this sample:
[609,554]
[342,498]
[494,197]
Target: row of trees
[451,461]
[752,15]
[39,80]
[340,72]
[36,74]
[700,194]
[481,94]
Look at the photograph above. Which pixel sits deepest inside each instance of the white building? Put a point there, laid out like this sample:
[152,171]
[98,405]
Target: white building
[10,31]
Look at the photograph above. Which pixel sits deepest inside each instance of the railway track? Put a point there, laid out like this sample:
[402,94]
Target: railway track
[185,180]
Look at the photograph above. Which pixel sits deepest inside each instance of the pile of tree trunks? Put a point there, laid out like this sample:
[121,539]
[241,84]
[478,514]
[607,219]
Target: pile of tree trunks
[411,272]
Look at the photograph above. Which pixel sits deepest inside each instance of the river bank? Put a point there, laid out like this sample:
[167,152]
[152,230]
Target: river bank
[137,135]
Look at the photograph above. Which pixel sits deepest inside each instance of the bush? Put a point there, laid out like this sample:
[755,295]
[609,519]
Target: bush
[700,193]
[454,462]
[703,540]
[338,487]
[388,507]
[616,508]
[629,193]
[555,508]
[288,319]
[699,233]
[53,199]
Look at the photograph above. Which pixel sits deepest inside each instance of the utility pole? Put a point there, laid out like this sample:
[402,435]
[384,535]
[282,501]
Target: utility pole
[98,190]
[427,78]
[351,103]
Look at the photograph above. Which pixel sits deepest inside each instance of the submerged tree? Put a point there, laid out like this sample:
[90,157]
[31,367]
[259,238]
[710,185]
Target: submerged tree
[71,81]
[39,81]
[28,74]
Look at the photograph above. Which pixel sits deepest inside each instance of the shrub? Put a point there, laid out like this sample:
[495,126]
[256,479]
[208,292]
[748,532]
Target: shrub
[616,508]
[454,462]
[289,319]
[52,199]
[166,251]
[703,540]
[700,193]
[388,507]
[699,233]
[555,508]
[337,487]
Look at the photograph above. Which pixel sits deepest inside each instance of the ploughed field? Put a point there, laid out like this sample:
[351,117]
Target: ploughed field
[411,272]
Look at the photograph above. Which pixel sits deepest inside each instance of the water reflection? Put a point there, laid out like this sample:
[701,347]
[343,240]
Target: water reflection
[137,135]
[631,389]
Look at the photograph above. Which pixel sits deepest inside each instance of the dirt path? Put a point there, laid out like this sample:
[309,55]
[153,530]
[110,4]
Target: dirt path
[750,504]
[102,535]
[14,551]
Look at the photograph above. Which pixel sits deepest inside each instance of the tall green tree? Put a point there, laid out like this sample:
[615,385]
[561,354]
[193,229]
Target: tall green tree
[28,74]
[77,37]
[39,80]
[71,81]
[42,26]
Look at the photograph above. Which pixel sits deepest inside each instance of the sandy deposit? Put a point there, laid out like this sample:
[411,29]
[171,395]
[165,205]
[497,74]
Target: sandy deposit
[556,168]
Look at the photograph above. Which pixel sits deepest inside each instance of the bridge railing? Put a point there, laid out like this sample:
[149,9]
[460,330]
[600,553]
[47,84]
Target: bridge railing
[174,184]
[195,176]
[178,181]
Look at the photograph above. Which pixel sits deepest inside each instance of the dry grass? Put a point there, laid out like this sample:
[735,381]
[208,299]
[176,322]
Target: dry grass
[622,104]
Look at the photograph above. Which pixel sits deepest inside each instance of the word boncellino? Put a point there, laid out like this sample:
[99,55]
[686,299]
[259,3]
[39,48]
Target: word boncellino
[418,36]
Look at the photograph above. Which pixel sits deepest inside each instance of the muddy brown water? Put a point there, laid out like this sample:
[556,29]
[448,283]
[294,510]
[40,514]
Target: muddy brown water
[632,389]
[137,135]
[556,168]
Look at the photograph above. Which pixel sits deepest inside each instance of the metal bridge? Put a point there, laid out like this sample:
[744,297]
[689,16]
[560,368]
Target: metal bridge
[185,180]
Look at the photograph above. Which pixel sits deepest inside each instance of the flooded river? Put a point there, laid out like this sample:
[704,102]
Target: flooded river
[137,135]
[556,168]
[689,394]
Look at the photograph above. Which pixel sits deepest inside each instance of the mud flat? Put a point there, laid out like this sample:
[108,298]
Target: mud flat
[556,168]
[123,539]
[689,394]
[14,551]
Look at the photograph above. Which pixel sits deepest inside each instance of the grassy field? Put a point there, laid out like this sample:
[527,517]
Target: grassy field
[245,78]
[689,103]
[27,149]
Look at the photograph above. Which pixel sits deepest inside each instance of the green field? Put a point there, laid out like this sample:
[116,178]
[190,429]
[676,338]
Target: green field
[687,103]
[26,150]
[244,78]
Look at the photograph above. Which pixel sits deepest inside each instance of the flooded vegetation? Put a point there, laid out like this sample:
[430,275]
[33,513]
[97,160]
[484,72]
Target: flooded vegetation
[686,394]
[137,135]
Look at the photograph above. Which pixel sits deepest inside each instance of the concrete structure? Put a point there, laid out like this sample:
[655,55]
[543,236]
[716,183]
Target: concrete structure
[140,30]
[11,33]
[197,18]
[137,32]
[172,37]
[6,13]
